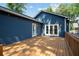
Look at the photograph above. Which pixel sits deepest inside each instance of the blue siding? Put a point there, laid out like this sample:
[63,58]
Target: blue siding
[39,29]
[14,29]
[53,19]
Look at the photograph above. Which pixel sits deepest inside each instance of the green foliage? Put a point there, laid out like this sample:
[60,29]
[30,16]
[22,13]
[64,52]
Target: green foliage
[69,10]
[17,7]
[49,9]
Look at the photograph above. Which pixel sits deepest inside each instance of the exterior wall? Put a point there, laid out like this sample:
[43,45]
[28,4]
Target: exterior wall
[38,29]
[53,19]
[14,28]
[67,25]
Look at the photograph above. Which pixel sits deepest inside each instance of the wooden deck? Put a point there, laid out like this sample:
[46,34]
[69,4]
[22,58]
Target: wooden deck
[38,46]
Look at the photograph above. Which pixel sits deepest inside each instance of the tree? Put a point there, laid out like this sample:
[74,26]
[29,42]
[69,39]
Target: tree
[69,10]
[49,9]
[17,7]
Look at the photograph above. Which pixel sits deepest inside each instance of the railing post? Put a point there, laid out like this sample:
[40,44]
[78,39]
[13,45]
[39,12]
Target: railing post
[1,50]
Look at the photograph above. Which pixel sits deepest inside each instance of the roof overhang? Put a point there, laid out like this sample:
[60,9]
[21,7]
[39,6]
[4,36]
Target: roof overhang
[17,14]
[52,14]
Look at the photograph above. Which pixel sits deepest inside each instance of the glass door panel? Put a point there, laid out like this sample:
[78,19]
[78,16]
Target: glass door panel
[55,29]
[51,30]
[33,29]
[47,29]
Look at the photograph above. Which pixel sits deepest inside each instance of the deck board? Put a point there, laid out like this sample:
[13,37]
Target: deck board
[38,46]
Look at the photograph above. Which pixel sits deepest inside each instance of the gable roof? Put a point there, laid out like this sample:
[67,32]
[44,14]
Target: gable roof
[51,14]
[17,14]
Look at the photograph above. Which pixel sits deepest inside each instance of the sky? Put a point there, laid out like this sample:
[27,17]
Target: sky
[34,8]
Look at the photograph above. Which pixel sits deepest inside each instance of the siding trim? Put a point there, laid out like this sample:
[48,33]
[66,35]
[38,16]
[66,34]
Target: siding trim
[65,25]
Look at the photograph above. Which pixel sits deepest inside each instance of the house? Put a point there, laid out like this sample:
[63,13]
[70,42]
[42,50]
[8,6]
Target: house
[54,24]
[16,27]
[75,25]
[75,28]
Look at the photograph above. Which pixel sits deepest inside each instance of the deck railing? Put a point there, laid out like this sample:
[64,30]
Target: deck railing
[1,50]
[73,43]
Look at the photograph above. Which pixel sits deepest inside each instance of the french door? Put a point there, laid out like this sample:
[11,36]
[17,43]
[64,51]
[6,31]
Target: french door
[33,29]
[52,30]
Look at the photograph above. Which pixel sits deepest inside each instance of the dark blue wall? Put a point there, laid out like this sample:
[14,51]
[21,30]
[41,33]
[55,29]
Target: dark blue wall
[53,19]
[14,28]
[39,29]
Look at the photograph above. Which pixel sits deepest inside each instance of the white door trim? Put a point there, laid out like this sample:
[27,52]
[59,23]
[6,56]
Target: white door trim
[53,29]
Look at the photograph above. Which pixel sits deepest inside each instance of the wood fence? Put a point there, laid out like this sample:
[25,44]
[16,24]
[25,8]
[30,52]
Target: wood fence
[73,43]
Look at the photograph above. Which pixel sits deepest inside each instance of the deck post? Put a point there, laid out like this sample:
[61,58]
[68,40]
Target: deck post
[1,50]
